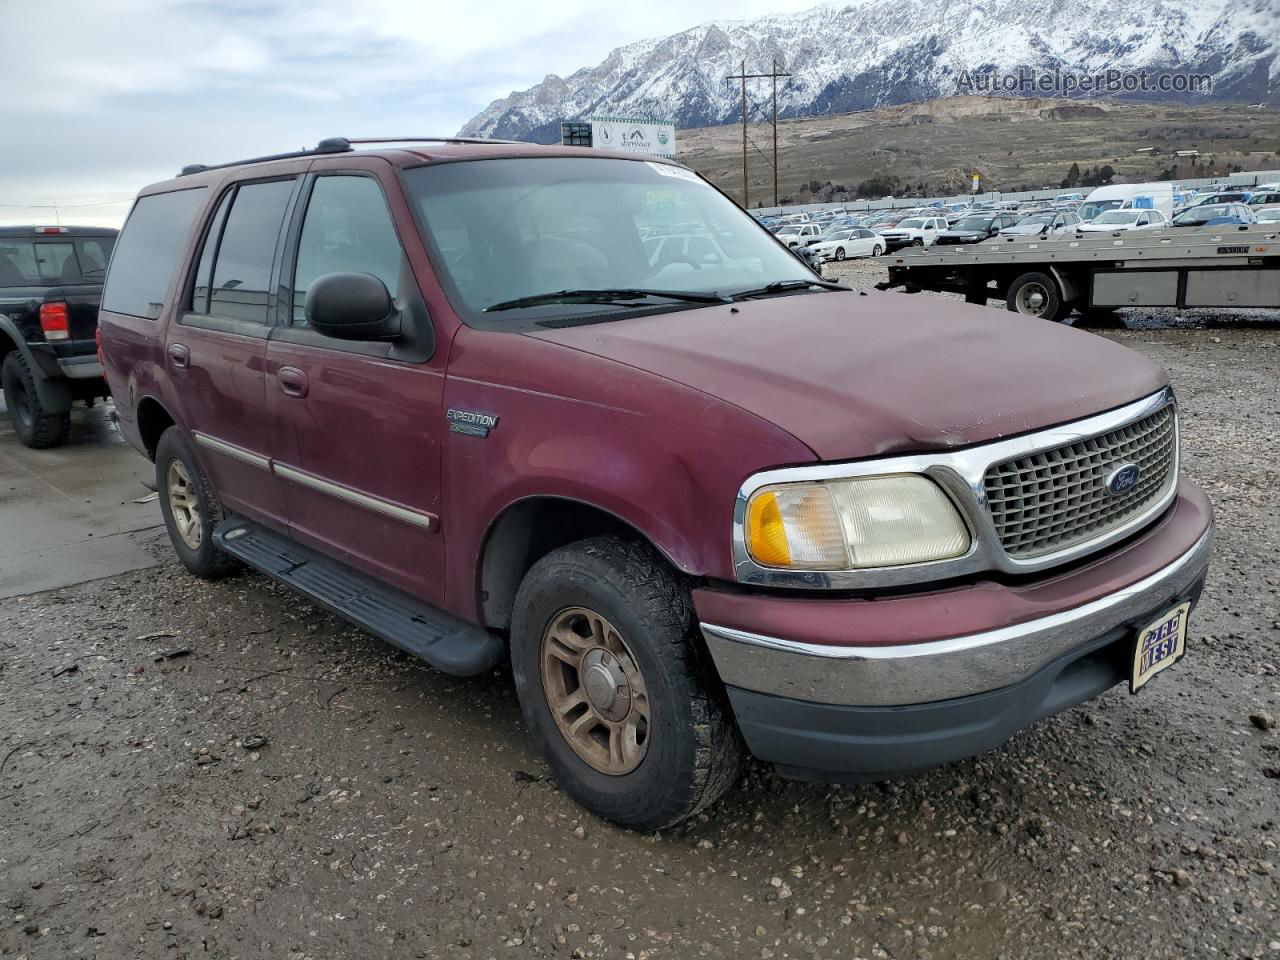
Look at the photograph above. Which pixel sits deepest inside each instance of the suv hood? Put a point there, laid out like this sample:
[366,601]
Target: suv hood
[869,374]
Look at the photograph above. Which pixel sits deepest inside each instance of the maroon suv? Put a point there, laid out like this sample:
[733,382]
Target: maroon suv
[704,501]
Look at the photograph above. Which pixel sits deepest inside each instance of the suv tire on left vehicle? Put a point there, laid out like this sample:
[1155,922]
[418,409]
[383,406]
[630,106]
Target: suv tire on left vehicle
[190,507]
[36,427]
[603,627]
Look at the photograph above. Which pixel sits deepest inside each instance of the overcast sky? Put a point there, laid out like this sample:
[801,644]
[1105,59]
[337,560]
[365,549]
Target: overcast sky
[113,94]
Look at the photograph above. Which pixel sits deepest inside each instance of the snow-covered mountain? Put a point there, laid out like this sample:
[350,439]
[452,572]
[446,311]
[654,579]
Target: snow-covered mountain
[861,54]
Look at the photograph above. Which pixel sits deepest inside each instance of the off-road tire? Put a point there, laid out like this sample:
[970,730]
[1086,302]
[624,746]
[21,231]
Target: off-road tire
[35,426]
[207,561]
[694,751]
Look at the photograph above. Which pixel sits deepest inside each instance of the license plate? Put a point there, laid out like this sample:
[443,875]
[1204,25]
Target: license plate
[1161,644]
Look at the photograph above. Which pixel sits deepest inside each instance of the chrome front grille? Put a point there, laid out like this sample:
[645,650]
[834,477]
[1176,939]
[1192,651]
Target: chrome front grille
[1056,499]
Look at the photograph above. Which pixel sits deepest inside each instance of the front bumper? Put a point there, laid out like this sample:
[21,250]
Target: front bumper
[866,706]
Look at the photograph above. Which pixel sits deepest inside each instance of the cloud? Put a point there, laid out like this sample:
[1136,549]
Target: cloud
[133,89]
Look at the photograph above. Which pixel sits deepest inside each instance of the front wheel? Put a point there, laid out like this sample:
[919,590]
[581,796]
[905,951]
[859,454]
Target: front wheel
[611,686]
[839,253]
[877,251]
[36,427]
[917,242]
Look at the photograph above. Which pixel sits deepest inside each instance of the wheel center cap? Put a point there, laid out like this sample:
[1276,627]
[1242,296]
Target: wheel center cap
[606,685]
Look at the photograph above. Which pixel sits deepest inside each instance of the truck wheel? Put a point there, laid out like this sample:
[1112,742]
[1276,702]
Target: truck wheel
[36,427]
[1037,295]
[917,242]
[612,689]
[190,507]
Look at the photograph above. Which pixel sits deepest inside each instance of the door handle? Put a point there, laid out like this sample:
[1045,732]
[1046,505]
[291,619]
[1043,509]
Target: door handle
[293,382]
[180,355]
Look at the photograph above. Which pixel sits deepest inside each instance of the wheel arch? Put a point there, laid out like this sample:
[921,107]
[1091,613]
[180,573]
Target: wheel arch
[153,420]
[525,531]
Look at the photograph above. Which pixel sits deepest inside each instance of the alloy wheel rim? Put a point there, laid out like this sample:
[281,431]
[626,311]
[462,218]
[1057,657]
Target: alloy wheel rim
[184,505]
[595,691]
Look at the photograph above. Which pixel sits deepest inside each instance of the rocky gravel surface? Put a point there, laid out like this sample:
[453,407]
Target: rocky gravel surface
[221,770]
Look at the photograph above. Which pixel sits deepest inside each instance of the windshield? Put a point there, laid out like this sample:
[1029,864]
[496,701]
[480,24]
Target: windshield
[912,224]
[973,223]
[510,228]
[1037,218]
[1092,208]
[1117,216]
[1203,214]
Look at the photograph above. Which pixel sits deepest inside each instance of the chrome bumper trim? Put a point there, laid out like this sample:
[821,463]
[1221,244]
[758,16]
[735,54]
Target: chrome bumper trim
[906,674]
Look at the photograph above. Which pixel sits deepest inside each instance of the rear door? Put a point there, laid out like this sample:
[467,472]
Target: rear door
[361,423]
[216,351]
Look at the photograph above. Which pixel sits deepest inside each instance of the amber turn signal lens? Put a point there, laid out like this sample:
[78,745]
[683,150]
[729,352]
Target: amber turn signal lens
[768,535]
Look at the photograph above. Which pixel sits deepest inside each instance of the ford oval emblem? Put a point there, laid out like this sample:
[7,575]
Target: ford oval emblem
[1123,479]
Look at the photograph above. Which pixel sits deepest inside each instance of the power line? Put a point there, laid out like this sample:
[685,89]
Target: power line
[54,206]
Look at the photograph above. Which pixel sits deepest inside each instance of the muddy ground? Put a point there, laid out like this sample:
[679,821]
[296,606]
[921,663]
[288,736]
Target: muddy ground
[221,770]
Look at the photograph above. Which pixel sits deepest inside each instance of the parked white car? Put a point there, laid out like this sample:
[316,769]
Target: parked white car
[799,235]
[1110,221]
[914,232]
[852,242]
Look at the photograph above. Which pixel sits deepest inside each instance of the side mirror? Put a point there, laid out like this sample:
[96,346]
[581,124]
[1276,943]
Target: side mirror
[352,306]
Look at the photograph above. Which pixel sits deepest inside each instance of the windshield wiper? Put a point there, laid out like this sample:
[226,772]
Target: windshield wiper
[605,296]
[782,286]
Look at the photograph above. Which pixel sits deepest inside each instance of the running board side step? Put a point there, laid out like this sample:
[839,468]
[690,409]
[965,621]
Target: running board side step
[447,643]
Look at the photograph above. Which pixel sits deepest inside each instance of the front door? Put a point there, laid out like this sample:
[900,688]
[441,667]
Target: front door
[216,351]
[360,423]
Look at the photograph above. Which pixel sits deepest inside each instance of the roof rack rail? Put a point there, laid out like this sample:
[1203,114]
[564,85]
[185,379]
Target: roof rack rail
[333,145]
[327,145]
[425,140]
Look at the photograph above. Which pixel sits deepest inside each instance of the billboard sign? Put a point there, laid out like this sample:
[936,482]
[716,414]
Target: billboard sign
[656,138]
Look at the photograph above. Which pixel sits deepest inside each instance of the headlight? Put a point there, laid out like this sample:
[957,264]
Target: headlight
[855,523]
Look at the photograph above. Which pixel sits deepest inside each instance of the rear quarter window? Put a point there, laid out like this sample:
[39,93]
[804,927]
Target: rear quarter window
[147,252]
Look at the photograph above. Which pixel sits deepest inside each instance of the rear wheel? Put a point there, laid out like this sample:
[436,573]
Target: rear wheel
[612,689]
[190,507]
[1037,295]
[36,427]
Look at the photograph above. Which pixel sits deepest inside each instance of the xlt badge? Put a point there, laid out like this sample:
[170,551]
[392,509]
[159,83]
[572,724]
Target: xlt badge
[471,422]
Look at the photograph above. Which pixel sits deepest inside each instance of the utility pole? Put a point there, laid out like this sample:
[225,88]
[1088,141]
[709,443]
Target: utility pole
[773,75]
[746,194]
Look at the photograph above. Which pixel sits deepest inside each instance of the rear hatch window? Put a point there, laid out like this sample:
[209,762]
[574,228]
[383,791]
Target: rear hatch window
[147,252]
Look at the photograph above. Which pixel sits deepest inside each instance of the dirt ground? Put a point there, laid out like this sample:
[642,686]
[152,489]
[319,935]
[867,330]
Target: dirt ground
[221,770]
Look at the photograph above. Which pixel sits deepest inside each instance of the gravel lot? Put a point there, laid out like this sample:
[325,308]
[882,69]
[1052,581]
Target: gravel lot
[221,770]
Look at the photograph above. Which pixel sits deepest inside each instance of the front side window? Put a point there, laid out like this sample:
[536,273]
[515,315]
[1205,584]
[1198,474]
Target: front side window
[147,251]
[347,229]
[511,228]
